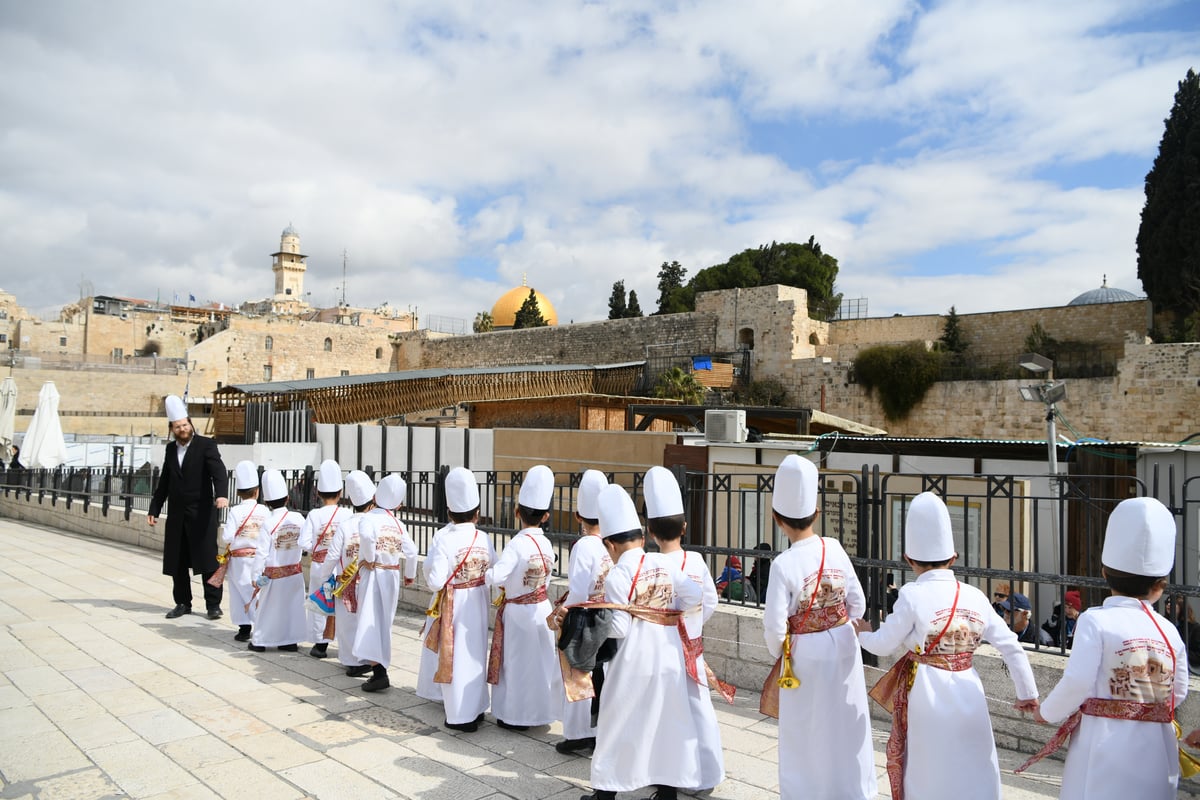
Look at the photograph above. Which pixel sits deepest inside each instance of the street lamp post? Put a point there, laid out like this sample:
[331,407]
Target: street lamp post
[1048,392]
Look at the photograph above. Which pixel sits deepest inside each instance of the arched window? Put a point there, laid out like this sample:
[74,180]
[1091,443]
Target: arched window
[379,352]
[328,345]
[268,343]
[814,338]
[746,339]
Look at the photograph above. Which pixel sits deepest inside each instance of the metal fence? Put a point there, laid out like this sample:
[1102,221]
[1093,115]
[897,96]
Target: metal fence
[1041,546]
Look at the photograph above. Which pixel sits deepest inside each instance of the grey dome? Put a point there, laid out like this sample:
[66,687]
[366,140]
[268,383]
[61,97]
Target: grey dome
[1105,294]
[290,231]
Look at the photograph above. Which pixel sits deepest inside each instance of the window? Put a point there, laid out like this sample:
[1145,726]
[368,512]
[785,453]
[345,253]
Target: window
[379,352]
[345,372]
[310,373]
[118,353]
[287,291]
[268,343]
[3,337]
[746,339]
[62,341]
[266,372]
[328,345]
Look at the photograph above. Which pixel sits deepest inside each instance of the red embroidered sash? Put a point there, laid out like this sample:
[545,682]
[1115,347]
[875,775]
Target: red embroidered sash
[368,565]
[243,552]
[218,576]
[440,638]
[282,572]
[496,656]
[891,692]
[1101,707]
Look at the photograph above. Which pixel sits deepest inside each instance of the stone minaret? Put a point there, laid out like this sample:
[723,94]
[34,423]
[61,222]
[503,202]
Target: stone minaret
[289,267]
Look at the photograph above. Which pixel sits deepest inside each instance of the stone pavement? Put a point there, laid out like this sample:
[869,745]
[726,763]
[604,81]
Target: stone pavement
[101,696]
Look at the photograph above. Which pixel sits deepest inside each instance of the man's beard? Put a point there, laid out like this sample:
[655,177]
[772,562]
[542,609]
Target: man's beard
[184,437]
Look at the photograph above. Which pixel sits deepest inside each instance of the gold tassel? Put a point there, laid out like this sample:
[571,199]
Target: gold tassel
[787,678]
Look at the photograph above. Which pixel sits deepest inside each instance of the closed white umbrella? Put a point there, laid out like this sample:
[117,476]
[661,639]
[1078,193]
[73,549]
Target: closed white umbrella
[44,446]
[8,415]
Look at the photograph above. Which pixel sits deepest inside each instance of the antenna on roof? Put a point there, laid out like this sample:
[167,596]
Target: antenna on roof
[343,276]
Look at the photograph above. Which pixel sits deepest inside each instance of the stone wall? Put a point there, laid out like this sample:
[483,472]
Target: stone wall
[606,342]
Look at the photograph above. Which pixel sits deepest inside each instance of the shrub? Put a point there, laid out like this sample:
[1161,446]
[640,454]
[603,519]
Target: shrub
[901,374]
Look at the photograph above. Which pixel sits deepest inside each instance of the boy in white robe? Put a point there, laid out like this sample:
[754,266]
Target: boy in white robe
[319,527]
[343,549]
[523,664]
[279,620]
[457,565]
[645,735]
[586,570]
[665,521]
[939,622]
[824,724]
[1127,672]
[382,543]
[244,548]
[427,668]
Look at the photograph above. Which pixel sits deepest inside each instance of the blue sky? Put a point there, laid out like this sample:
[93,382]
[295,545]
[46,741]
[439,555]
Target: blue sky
[986,154]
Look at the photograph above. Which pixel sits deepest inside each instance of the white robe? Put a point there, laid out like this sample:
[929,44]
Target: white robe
[319,527]
[466,696]
[343,551]
[529,690]
[241,570]
[948,722]
[712,758]
[646,734]
[586,570]
[382,540]
[1119,653]
[824,725]
[280,617]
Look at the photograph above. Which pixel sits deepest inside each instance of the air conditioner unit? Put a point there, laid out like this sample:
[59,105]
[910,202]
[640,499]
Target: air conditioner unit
[723,425]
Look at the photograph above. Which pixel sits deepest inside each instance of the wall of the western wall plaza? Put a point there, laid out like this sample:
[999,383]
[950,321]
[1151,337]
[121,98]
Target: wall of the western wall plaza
[102,402]
[606,342]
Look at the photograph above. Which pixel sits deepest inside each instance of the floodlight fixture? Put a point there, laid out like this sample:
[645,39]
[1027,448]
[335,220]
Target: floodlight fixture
[1031,394]
[1054,393]
[1035,362]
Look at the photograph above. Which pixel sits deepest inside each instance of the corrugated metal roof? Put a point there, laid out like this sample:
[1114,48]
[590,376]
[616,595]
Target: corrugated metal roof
[282,387]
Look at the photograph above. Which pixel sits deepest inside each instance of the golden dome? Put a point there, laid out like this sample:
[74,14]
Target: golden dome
[504,313]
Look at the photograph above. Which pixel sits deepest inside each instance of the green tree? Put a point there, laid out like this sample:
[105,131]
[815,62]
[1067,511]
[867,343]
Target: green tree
[616,301]
[633,309]
[1168,241]
[679,384]
[953,338]
[790,264]
[529,315]
[672,298]
[483,322]
[901,374]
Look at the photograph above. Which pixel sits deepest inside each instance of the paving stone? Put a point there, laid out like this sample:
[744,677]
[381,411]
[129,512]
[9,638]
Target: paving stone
[330,780]
[200,751]
[140,769]
[235,779]
[161,726]
[39,756]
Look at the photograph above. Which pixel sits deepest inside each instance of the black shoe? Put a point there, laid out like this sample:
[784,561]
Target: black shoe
[359,671]
[319,650]
[258,648]
[664,793]
[600,794]
[179,611]
[508,727]
[377,683]
[465,727]
[289,648]
[569,746]
[243,634]
[214,612]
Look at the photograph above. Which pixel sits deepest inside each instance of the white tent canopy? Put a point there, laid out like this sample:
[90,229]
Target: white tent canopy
[8,415]
[44,446]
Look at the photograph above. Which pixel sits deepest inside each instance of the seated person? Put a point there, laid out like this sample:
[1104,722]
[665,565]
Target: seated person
[731,573]
[760,573]
[1061,626]
[999,595]
[1017,612]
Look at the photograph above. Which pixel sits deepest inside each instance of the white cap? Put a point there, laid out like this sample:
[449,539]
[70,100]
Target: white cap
[795,492]
[617,514]
[537,490]
[590,484]
[359,488]
[462,492]
[1140,538]
[927,532]
[329,478]
[176,409]
[661,491]
[247,475]
[273,485]
[391,492]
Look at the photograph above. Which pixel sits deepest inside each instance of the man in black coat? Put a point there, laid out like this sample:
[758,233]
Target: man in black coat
[193,483]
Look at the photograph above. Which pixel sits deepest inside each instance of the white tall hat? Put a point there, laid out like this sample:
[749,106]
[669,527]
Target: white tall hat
[176,409]
[359,487]
[462,492]
[1140,538]
[617,513]
[537,490]
[247,475]
[661,491]
[795,492]
[590,484]
[329,477]
[927,532]
[273,485]
[391,492]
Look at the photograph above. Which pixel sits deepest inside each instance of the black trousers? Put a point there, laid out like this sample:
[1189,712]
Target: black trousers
[182,581]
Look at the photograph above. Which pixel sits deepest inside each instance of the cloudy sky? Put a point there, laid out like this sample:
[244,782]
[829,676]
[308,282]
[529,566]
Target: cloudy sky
[976,153]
